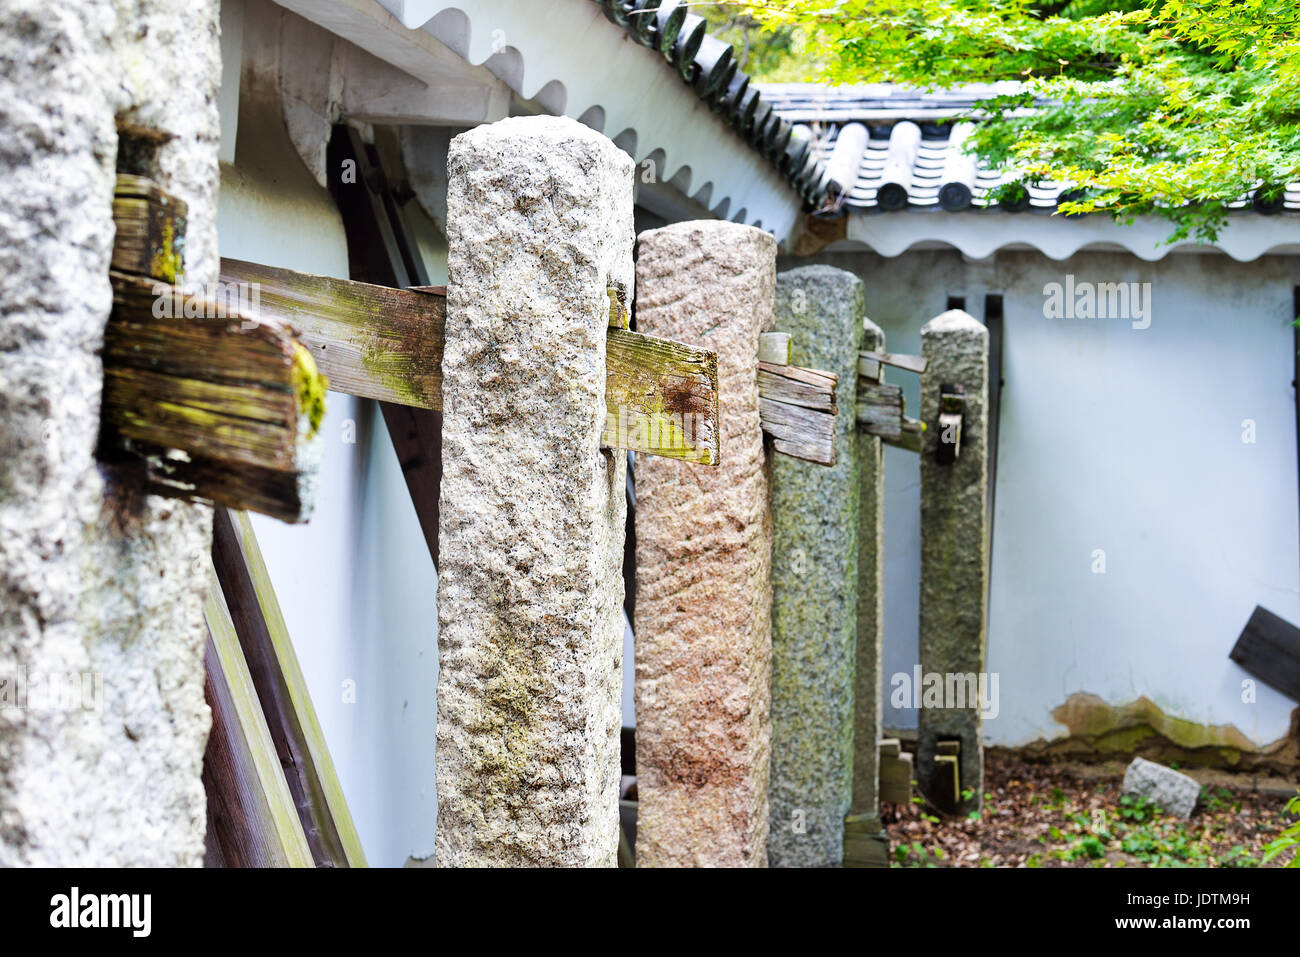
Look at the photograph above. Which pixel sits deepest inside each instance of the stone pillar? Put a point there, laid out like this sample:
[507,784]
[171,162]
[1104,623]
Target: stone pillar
[530,592]
[815,586]
[102,587]
[704,552]
[864,843]
[954,559]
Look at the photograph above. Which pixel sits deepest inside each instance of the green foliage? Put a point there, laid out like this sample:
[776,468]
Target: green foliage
[1172,107]
[1136,810]
[917,855]
[777,53]
[1289,838]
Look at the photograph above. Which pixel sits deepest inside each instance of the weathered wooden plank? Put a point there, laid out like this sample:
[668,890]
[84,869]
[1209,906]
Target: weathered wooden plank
[909,436]
[417,439]
[371,341]
[868,369]
[661,397]
[387,344]
[880,409]
[282,692]
[947,782]
[220,408]
[1269,648]
[798,431]
[865,842]
[252,821]
[910,363]
[150,223]
[774,348]
[825,382]
[896,773]
[797,408]
[794,392]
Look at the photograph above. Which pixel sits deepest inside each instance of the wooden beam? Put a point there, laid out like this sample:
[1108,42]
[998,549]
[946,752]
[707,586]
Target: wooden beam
[252,820]
[371,341]
[661,397]
[797,409]
[150,224]
[218,406]
[376,342]
[1269,648]
[221,409]
[910,363]
[282,692]
[947,782]
[417,439]
[880,409]
[896,774]
[865,841]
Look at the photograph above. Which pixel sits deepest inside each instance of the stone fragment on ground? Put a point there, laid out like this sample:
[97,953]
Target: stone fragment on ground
[1168,789]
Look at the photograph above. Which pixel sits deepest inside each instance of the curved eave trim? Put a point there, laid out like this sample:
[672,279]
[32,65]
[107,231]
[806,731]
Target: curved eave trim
[569,59]
[982,233]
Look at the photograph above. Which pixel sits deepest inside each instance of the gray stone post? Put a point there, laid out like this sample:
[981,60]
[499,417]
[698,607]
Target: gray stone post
[954,560]
[864,843]
[815,586]
[530,590]
[704,552]
[102,587]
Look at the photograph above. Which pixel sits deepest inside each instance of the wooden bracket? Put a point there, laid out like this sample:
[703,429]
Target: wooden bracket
[895,773]
[952,411]
[220,409]
[880,412]
[865,842]
[150,223]
[218,405]
[947,775]
[910,363]
[797,408]
[661,397]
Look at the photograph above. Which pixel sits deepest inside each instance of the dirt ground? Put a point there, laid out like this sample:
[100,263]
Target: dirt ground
[1045,815]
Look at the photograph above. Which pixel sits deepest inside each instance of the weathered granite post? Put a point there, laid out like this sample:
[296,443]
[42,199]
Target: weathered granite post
[815,586]
[954,562]
[864,841]
[704,551]
[102,587]
[530,590]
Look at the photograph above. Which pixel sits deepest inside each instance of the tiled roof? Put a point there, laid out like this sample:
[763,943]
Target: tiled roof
[710,67]
[889,148]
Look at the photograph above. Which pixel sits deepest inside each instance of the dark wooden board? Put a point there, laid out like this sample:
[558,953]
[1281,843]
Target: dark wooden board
[1269,648]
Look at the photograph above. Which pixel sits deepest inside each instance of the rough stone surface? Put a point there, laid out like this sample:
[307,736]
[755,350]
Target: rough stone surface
[530,589]
[815,586]
[954,527]
[868,696]
[95,579]
[704,552]
[1164,787]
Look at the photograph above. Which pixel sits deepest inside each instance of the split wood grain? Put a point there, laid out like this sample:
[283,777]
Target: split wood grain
[797,409]
[150,224]
[220,409]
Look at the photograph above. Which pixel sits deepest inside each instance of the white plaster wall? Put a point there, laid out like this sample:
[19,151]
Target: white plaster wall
[356,584]
[1124,440]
